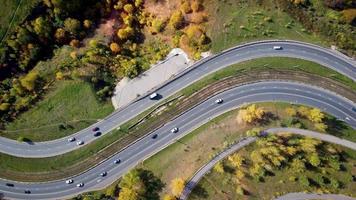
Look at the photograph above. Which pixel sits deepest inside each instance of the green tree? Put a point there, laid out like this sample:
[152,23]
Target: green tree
[304,181]
[72,26]
[42,27]
[29,81]
[314,160]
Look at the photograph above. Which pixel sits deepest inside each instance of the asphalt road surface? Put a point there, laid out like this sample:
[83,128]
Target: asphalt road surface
[326,57]
[248,140]
[257,92]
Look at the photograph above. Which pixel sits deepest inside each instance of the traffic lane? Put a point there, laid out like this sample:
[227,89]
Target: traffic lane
[243,53]
[234,97]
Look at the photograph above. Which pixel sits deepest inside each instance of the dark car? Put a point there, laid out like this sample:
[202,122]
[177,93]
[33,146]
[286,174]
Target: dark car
[10,185]
[95,129]
[96,134]
[154,136]
[354,109]
[27,192]
[117,161]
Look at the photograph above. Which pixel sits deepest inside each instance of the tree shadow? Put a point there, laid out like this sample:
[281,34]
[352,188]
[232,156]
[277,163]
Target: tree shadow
[267,118]
[153,184]
[199,192]
[335,126]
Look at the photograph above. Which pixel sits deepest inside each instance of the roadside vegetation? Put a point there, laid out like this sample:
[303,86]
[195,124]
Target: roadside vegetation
[178,162]
[241,21]
[58,124]
[279,164]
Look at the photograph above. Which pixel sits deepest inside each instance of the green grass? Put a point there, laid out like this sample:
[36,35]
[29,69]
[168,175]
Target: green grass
[10,16]
[272,63]
[71,103]
[240,21]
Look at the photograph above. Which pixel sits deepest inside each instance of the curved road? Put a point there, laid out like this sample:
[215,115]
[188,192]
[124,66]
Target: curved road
[200,114]
[248,140]
[328,58]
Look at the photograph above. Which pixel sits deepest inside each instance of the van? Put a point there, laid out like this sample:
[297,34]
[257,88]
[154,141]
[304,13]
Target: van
[153,95]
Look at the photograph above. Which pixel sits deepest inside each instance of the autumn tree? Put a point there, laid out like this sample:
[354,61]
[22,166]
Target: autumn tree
[291,112]
[114,47]
[29,80]
[125,33]
[169,197]
[42,27]
[128,8]
[87,23]
[128,194]
[236,160]
[196,5]
[177,186]
[185,6]
[177,19]
[250,114]
[219,167]
[315,115]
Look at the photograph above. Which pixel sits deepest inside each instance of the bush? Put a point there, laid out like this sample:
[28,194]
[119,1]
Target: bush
[304,181]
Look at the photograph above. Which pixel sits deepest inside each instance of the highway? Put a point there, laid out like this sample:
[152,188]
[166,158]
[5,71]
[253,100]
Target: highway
[305,196]
[294,49]
[248,140]
[293,92]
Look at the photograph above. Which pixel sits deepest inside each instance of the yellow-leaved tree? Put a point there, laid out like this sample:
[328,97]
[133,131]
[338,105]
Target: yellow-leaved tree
[177,186]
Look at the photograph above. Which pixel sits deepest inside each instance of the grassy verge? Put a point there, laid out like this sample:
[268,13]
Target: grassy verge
[184,157]
[240,21]
[11,16]
[279,181]
[69,107]
[272,63]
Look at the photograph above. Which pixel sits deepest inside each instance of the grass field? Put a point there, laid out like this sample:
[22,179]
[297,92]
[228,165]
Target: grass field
[69,107]
[13,13]
[237,21]
[223,186]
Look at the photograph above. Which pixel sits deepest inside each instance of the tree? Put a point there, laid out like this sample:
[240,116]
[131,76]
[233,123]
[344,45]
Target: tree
[177,19]
[157,25]
[42,27]
[298,165]
[291,112]
[87,24]
[128,194]
[60,35]
[239,174]
[196,5]
[334,183]
[4,106]
[303,111]
[314,160]
[240,190]
[304,181]
[128,8]
[29,80]
[219,167]
[185,7]
[74,43]
[236,160]
[59,76]
[320,126]
[169,197]
[125,33]
[177,186]
[315,115]
[111,191]
[72,25]
[114,47]
[250,114]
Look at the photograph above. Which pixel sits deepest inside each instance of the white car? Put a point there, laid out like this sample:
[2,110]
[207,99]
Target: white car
[69,181]
[218,101]
[80,184]
[80,142]
[174,130]
[153,95]
[72,139]
[277,48]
